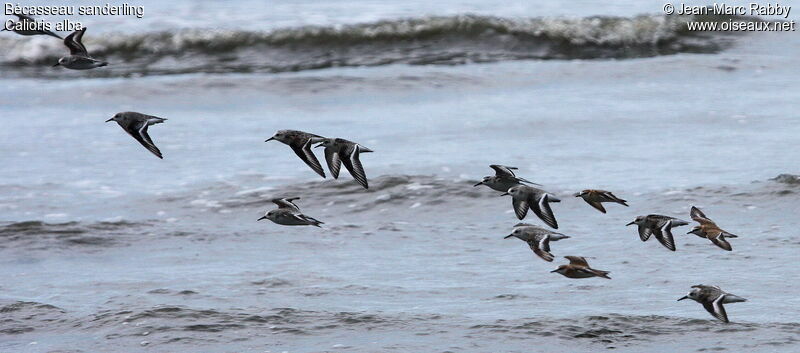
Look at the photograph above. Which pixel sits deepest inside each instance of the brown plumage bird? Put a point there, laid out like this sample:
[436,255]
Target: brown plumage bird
[579,268]
[595,198]
[709,230]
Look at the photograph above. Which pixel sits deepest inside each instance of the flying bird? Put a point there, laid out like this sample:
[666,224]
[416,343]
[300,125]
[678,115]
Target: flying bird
[709,230]
[79,58]
[27,22]
[538,239]
[659,226]
[579,268]
[288,214]
[595,198]
[712,298]
[339,151]
[503,179]
[136,124]
[524,197]
[301,142]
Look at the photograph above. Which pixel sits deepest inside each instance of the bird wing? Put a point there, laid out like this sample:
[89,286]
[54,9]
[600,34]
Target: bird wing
[353,165]
[718,238]
[73,42]
[334,161]
[544,243]
[303,150]
[716,309]
[664,235]
[138,130]
[613,198]
[287,203]
[501,170]
[597,205]
[539,251]
[645,232]
[577,260]
[699,216]
[542,209]
[520,208]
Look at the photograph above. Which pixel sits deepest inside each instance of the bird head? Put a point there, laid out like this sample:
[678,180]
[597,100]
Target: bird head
[638,220]
[484,181]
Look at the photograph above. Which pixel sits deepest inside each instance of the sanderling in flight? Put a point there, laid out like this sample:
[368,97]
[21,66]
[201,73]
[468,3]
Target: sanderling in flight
[27,22]
[595,198]
[79,58]
[538,239]
[288,214]
[340,151]
[136,125]
[709,230]
[712,298]
[503,179]
[524,197]
[659,226]
[579,268]
[301,142]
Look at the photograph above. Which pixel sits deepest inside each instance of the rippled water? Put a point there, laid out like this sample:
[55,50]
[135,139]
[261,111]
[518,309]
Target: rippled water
[103,247]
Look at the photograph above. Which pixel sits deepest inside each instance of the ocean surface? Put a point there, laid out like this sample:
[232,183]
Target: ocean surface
[105,248]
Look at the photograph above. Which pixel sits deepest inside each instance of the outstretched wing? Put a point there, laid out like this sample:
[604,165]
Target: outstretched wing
[353,165]
[334,161]
[716,309]
[304,152]
[577,260]
[542,209]
[699,216]
[664,235]
[645,232]
[597,205]
[74,43]
[718,238]
[287,203]
[520,208]
[501,170]
[539,251]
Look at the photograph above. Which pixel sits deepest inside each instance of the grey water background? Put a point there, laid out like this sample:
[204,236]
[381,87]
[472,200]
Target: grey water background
[106,248]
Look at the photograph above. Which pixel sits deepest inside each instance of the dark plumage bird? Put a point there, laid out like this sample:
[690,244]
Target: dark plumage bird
[28,22]
[538,239]
[595,198]
[136,124]
[709,230]
[659,226]
[301,142]
[79,58]
[288,214]
[579,268]
[503,179]
[340,151]
[712,298]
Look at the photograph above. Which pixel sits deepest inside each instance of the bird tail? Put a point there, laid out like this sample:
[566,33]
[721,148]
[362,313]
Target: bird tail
[600,273]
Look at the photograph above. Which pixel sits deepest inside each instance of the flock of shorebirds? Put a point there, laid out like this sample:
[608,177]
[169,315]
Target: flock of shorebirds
[524,194]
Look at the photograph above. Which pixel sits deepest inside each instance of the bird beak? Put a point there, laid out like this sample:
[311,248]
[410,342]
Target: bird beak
[263,217]
[481,183]
[318,146]
[577,194]
[690,232]
[556,270]
[684,297]
[57,64]
[112,119]
[634,222]
[504,194]
[508,236]
[270,139]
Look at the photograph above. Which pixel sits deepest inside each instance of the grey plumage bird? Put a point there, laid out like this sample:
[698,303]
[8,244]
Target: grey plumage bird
[339,151]
[28,27]
[301,142]
[524,197]
[288,214]
[503,179]
[712,298]
[537,238]
[660,226]
[136,124]
[79,58]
